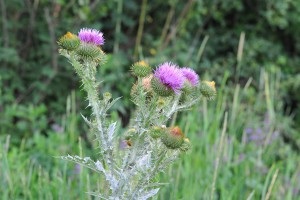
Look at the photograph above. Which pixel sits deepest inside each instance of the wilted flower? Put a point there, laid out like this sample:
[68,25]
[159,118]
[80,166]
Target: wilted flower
[147,82]
[91,36]
[145,86]
[172,137]
[190,75]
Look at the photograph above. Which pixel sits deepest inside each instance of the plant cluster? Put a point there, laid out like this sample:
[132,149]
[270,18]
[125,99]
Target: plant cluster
[130,162]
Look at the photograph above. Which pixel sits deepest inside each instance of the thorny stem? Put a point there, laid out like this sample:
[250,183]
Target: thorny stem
[90,86]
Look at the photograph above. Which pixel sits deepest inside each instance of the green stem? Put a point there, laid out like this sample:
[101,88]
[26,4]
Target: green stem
[173,108]
[87,74]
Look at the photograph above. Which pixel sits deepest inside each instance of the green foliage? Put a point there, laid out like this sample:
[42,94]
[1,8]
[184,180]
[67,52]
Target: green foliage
[248,159]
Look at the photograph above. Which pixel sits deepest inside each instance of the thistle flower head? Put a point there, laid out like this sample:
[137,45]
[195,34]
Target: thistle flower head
[91,36]
[170,76]
[190,75]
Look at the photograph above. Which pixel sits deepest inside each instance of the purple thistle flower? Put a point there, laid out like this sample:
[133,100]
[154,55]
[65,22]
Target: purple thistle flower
[170,75]
[91,36]
[190,75]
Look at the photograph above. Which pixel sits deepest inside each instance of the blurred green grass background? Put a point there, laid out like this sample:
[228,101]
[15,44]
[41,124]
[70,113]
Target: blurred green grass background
[250,48]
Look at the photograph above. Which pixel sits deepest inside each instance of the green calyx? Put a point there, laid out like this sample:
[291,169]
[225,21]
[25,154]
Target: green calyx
[208,89]
[141,69]
[160,88]
[188,92]
[69,42]
[156,132]
[172,138]
[90,52]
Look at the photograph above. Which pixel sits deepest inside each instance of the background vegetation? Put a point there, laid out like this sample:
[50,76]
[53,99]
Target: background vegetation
[250,48]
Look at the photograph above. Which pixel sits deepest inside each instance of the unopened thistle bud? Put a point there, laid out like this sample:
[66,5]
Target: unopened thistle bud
[141,69]
[208,89]
[69,42]
[172,137]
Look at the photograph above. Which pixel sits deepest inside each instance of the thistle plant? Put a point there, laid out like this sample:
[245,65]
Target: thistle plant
[130,161]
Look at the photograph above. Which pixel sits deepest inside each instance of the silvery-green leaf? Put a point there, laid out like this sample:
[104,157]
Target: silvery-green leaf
[148,194]
[95,194]
[86,120]
[111,131]
[87,162]
[99,166]
[144,162]
[110,104]
[112,181]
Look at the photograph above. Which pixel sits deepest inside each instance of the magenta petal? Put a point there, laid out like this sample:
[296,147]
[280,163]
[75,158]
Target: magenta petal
[190,75]
[170,75]
[92,36]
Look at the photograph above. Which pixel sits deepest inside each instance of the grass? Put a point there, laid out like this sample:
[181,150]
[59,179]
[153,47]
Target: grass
[227,160]
[261,168]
